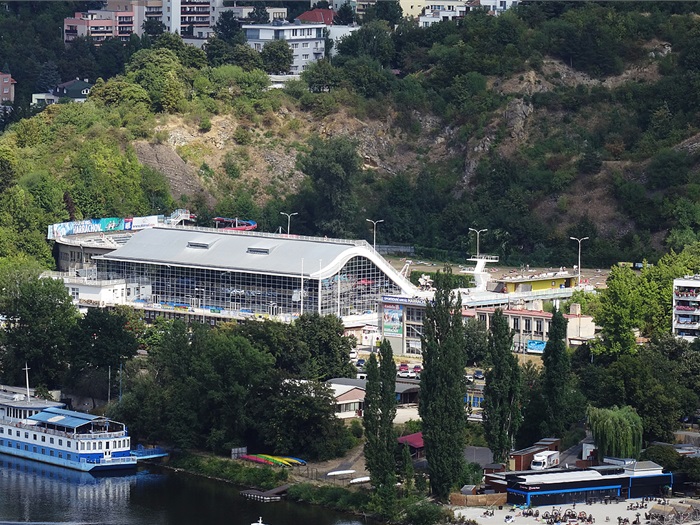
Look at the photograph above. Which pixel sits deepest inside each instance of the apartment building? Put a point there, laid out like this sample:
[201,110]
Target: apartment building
[98,25]
[244,11]
[306,40]
[7,88]
[440,10]
[686,307]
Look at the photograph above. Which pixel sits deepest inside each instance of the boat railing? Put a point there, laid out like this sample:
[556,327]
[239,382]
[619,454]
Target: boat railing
[110,461]
[70,435]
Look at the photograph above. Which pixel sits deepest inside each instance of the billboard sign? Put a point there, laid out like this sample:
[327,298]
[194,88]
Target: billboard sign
[110,224]
[393,319]
[535,346]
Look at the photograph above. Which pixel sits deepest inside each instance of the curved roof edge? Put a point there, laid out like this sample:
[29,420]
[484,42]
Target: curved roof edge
[392,273]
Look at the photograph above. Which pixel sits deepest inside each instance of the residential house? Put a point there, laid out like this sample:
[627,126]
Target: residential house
[317,16]
[7,88]
[76,90]
[306,40]
[495,7]
[441,10]
[99,25]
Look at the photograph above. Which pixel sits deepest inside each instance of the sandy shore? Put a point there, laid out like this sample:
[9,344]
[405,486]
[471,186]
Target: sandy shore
[603,514]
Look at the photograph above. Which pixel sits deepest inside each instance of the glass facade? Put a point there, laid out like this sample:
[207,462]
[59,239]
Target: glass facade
[355,289]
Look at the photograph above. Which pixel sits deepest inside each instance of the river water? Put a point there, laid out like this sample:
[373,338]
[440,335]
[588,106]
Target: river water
[31,492]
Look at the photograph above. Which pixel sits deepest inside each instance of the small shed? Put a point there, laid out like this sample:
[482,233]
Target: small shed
[415,444]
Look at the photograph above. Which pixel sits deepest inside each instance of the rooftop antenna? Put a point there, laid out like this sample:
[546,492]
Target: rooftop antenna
[26,375]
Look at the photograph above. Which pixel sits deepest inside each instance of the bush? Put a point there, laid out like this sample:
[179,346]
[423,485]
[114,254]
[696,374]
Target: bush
[205,124]
[356,429]
[424,514]
[222,468]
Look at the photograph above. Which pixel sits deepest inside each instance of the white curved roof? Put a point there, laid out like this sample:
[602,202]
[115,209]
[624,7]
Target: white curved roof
[250,252]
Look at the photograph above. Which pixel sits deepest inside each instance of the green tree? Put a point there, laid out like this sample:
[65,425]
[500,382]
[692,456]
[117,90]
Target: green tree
[334,167]
[39,319]
[219,52]
[556,379]
[228,29]
[49,77]
[99,343]
[502,416]
[117,91]
[322,76]
[153,27]
[328,346]
[158,71]
[617,431]
[476,342]
[277,57]
[259,15]
[372,40]
[443,387]
[664,455]
[378,418]
[618,312]
[388,10]
[345,15]
[246,57]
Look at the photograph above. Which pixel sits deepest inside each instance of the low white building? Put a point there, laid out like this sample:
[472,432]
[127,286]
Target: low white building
[495,7]
[306,40]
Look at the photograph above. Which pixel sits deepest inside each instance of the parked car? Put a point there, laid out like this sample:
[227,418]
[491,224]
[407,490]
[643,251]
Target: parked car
[353,354]
[360,363]
[403,367]
[417,369]
[469,378]
[478,374]
[406,374]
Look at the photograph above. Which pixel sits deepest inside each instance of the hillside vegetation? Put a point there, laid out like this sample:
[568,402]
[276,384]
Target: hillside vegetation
[549,121]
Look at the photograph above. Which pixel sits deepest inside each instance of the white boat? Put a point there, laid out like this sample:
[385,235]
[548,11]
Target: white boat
[340,473]
[259,522]
[357,481]
[44,431]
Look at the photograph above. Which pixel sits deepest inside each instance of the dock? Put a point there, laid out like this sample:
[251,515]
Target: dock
[275,494]
[142,453]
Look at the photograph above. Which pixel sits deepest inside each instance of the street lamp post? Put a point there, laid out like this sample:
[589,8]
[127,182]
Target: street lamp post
[374,229]
[289,219]
[478,232]
[579,240]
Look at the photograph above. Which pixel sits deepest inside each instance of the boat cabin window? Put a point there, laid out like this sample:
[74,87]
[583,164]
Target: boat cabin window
[51,440]
[43,439]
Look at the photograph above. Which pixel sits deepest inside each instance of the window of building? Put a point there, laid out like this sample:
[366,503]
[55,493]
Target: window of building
[51,440]
[43,439]
[516,324]
[60,442]
[305,57]
[295,32]
[528,325]
[305,44]
[538,326]
[26,435]
[295,46]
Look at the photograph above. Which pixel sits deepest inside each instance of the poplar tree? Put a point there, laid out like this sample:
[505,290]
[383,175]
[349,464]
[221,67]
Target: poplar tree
[378,419]
[502,411]
[556,377]
[443,387]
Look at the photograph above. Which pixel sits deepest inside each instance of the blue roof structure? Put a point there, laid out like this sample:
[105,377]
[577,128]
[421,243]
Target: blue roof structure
[64,418]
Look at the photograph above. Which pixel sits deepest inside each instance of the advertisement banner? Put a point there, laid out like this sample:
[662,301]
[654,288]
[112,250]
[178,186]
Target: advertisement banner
[393,319]
[535,346]
[110,224]
[139,223]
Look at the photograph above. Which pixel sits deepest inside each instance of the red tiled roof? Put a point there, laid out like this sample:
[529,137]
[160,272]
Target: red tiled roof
[413,440]
[318,16]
